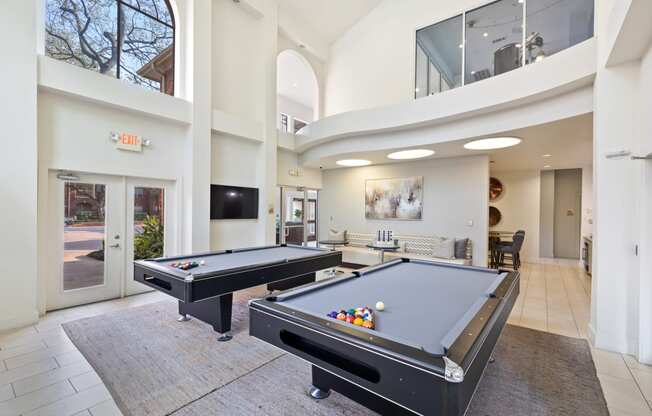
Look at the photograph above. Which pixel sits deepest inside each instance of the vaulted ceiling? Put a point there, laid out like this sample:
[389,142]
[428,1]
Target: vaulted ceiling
[328,19]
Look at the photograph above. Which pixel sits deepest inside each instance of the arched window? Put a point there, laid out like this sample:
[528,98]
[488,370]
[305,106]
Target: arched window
[131,40]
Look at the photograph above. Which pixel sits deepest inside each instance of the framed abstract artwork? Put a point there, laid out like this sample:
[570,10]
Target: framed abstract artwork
[394,199]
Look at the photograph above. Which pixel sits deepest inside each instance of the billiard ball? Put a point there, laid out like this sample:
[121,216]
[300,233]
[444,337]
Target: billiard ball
[350,319]
[201,263]
[341,317]
[368,324]
[380,306]
[358,321]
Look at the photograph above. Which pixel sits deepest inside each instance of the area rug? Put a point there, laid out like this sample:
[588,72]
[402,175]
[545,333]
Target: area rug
[154,365]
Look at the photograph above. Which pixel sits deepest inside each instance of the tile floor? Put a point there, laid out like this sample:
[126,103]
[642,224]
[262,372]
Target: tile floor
[42,373]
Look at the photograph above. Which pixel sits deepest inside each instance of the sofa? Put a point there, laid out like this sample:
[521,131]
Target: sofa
[413,247]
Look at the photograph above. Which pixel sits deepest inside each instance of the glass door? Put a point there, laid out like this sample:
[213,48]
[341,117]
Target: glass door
[86,223]
[311,218]
[151,225]
[299,216]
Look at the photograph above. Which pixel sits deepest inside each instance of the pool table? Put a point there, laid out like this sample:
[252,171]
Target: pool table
[428,349]
[206,291]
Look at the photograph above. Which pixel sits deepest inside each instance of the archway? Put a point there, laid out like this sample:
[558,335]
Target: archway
[297,91]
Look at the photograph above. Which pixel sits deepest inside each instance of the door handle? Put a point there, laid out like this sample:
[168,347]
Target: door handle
[116,245]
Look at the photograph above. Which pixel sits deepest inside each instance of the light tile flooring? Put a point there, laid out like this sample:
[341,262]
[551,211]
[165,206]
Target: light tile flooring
[42,373]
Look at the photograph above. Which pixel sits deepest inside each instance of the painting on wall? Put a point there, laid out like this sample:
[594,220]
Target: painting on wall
[394,199]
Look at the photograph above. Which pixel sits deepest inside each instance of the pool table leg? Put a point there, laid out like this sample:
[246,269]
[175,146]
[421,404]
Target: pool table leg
[323,382]
[215,312]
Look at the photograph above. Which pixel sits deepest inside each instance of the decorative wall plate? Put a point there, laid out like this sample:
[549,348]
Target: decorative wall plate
[495,216]
[495,189]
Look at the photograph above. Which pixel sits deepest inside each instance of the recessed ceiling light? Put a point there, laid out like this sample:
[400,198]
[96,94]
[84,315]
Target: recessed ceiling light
[546,155]
[295,85]
[417,90]
[461,45]
[411,154]
[353,162]
[492,143]
[485,34]
[547,167]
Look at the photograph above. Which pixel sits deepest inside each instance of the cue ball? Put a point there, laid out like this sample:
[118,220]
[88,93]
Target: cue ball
[202,262]
[380,306]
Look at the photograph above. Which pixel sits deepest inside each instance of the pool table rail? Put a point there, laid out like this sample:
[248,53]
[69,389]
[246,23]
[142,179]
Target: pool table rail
[193,287]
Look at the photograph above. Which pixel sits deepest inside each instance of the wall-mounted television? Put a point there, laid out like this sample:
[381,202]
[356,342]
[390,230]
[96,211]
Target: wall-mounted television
[233,202]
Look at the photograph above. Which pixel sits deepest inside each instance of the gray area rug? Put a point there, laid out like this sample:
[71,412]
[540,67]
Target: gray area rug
[154,365]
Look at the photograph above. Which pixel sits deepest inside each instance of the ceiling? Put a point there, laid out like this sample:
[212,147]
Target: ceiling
[296,79]
[328,19]
[568,141]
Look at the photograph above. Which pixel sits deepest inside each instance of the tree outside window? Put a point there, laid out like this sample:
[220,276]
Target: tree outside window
[132,40]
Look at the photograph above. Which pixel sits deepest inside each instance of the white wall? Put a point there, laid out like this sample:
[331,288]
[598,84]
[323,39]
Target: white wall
[587,202]
[455,192]
[231,165]
[520,208]
[620,291]
[645,302]
[18,165]
[238,61]
[309,178]
[547,214]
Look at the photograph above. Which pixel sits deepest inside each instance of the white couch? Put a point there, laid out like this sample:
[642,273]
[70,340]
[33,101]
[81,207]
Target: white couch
[413,247]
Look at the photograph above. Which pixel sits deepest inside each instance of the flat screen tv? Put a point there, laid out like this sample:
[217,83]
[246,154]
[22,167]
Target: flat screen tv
[233,202]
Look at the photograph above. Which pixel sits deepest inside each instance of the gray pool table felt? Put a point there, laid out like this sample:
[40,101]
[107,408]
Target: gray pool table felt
[226,261]
[423,302]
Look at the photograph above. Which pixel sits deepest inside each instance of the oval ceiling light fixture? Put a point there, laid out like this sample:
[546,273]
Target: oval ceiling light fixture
[411,154]
[353,162]
[492,143]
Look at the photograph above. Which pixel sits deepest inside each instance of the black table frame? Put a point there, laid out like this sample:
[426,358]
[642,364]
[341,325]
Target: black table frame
[382,374]
[209,296]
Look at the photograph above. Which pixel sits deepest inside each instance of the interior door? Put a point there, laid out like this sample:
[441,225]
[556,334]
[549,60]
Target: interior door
[568,208]
[86,220]
[292,215]
[151,225]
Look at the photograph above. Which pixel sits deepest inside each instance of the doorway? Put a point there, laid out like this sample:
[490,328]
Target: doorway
[98,224]
[567,214]
[299,216]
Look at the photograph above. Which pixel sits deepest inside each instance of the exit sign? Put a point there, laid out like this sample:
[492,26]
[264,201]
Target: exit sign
[129,142]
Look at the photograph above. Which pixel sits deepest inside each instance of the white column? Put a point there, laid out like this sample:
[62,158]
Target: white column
[267,173]
[616,230]
[198,168]
[18,164]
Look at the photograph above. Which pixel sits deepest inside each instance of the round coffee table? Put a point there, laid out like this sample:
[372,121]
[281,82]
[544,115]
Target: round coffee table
[333,243]
[382,249]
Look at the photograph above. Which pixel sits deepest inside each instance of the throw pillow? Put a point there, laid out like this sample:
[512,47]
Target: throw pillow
[443,248]
[460,248]
[335,235]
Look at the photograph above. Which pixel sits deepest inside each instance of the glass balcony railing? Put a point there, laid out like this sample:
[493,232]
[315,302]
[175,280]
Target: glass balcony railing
[496,38]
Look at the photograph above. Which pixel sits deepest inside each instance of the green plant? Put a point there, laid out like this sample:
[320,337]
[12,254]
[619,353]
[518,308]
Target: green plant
[148,244]
[298,213]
